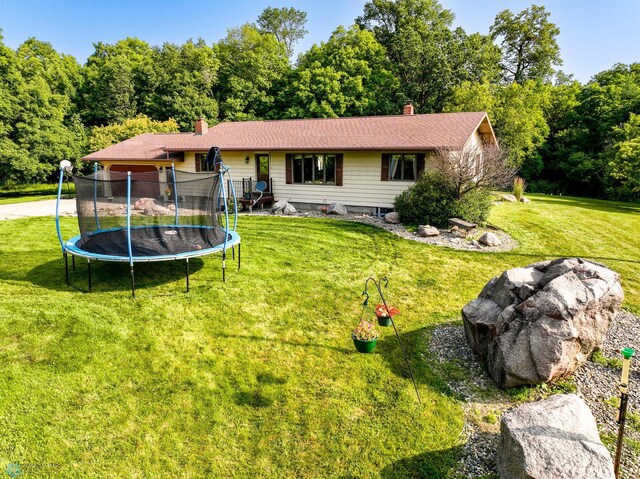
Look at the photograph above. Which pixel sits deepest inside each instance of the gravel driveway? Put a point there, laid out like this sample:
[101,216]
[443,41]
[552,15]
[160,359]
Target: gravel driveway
[37,208]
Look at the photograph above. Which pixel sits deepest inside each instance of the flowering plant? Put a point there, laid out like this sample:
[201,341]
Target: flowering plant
[381,311]
[365,331]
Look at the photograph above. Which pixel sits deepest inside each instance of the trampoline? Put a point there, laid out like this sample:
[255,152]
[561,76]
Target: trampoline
[164,215]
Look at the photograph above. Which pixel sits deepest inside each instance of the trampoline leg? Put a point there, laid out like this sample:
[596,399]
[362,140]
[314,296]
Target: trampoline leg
[133,283]
[186,266]
[73,262]
[66,267]
[238,256]
[89,271]
[224,266]
[233,252]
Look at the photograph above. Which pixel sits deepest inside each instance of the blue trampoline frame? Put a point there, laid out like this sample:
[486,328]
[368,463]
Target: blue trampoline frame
[231,237]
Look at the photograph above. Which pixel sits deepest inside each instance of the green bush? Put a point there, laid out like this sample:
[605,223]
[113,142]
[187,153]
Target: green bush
[432,200]
[475,206]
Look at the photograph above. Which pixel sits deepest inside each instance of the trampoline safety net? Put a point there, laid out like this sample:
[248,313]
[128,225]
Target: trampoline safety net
[170,212]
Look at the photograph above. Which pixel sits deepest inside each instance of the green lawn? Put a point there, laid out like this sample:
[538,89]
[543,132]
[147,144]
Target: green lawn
[35,192]
[256,377]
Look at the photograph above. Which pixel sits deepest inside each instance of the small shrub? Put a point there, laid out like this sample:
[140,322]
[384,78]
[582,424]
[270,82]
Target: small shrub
[475,206]
[431,200]
[519,185]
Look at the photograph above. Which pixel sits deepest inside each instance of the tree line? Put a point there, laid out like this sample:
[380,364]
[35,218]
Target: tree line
[566,137]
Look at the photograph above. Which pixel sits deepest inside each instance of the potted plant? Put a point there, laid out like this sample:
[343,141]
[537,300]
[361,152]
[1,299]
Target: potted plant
[365,336]
[384,317]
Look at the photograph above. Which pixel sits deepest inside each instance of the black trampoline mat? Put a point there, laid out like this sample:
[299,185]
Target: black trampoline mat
[152,241]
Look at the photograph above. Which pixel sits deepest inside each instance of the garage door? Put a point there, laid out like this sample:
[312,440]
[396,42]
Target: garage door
[146,189]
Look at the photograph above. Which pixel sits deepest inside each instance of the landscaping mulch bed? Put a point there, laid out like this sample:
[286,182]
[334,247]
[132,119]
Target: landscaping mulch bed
[484,403]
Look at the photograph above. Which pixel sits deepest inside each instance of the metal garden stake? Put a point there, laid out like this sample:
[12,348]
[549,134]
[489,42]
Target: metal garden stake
[627,354]
[384,301]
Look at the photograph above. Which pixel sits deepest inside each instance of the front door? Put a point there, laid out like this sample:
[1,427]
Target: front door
[262,168]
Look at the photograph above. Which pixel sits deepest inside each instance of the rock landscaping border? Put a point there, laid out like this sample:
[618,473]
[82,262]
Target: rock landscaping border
[445,237]
[484,403]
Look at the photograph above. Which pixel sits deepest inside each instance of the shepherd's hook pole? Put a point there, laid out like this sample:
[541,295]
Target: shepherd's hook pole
[627,354]
[384,301]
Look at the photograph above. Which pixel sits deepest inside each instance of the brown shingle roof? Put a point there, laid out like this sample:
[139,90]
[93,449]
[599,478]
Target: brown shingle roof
[386,133]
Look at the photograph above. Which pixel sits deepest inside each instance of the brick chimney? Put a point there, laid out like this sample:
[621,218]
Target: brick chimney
[201,126]
[408,108]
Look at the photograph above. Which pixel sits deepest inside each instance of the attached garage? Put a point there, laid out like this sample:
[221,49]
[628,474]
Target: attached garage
[148,189]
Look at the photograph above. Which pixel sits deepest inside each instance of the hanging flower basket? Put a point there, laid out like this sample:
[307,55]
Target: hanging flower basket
[365,336]
[363,345]
[384,318]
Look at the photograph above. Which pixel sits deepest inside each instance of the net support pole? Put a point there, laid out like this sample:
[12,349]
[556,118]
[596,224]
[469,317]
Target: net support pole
[133,284]
[60,180]
[95,194]
[175,191]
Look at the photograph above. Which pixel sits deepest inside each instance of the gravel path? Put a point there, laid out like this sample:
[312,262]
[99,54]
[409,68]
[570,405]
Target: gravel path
[484,402]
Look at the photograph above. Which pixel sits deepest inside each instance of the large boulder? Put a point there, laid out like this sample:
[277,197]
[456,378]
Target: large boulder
[539,323]
[555,438]
[156,210]
[427,231]
[278,206]
[489,239]
[337,209]
[393,217]
[289,209]
[508,197]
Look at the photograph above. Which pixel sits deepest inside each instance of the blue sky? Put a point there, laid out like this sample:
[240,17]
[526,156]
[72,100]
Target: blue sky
[595,34]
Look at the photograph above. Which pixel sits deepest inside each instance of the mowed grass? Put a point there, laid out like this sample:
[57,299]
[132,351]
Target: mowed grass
[34,192]
[256,377]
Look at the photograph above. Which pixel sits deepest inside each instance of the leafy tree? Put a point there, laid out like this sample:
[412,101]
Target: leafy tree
[251,65]
[37,124]
[349,75]
[528,42]
[429,58]
[473,168]
[517,113]
[104,136]
[580,148]
[286,24]
[117,81]
[183,84]
[624,166]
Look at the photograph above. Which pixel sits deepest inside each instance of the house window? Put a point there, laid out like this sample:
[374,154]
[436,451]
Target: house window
[314,168]
[403,167]
[201,163]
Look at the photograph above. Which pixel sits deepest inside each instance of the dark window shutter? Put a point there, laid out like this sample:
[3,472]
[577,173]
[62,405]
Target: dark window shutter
[339,169]
[289,168]
[198,160]
[421,163]
[384,171]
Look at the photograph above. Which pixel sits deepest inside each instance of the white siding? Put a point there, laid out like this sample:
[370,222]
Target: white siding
[361,183]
